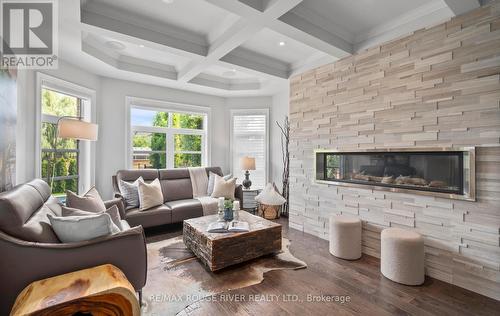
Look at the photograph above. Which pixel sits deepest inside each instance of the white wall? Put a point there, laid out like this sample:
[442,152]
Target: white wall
[111,107]
[279,110]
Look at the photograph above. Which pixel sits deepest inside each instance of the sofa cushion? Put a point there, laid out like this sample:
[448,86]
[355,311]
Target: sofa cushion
[23,213]
[153,217]
[184,209]
[90,201]
[132,175]
[175,184]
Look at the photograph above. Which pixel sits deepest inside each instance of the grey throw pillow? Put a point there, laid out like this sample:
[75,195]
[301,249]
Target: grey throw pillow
[130,192]
[82,228]
[90,201]
[113,212]
[211,181]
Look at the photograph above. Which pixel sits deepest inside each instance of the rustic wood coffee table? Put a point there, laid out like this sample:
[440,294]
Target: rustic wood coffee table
[220,250]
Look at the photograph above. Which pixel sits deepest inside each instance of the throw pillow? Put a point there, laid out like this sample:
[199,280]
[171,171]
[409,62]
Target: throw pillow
[211,181]
[113,212]
[90,201]
[224,188]
[150,195]
[82,228]
[130,192]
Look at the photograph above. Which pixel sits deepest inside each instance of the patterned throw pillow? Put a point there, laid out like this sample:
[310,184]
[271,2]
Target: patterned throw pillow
[130,193]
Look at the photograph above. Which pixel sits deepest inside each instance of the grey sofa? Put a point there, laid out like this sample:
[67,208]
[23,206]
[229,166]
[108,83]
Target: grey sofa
[177,192]
[30,250]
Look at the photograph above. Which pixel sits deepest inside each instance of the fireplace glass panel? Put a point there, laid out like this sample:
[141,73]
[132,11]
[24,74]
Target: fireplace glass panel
[427,171]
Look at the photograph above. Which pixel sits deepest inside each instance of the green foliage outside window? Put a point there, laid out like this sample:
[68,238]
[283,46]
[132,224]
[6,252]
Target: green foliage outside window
[65,163]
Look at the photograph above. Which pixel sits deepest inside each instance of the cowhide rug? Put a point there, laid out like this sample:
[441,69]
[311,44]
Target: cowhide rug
[177,279]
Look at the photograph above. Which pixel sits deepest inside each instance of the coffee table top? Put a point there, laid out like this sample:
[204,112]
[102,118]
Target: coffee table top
[256,223]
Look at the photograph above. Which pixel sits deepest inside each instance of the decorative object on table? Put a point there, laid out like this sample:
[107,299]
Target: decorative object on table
[246,164]
[102,290]
[264,237]
[228,227]
[249,202]
[173,268]
[220,207]
[228,210]
[8,119]
[270,202]
[285,141]
[236,210]
[71,127]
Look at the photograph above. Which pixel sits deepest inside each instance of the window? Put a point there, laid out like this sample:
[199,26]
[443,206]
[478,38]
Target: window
[64,163]
[167,138]
[249,137]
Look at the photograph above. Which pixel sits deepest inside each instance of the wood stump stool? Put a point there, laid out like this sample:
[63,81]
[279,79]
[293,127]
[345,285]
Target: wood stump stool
[402,256]
[102,290]
[345,237]
[269,211]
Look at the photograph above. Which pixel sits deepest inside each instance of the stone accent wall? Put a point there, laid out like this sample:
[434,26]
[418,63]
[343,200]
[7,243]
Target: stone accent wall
[438,87]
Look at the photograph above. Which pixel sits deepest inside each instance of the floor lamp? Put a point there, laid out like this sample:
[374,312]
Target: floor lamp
[72,127]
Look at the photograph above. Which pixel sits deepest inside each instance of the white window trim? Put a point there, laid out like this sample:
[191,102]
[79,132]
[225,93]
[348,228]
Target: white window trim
[88,112]
[234,112]
[166,106]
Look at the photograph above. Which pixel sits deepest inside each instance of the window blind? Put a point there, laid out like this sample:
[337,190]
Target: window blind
[249,139]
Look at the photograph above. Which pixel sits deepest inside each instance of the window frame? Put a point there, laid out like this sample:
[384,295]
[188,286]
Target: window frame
[236,112]
[86,150]
[168,107]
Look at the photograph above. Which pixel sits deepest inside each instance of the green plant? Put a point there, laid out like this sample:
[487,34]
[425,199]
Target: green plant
[228,203]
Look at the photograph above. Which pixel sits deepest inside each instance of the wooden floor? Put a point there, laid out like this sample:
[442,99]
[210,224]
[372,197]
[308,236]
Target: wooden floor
[326,277]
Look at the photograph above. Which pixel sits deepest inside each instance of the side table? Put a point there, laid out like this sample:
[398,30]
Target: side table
[249,203]
[102,290]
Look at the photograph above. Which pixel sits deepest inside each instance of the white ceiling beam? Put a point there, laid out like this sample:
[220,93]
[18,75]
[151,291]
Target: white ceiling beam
[293,26]
[252,21]
[258,62]
[461,6]
[97,23]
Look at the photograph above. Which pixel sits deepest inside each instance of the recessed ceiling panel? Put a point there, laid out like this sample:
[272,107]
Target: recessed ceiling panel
[196,16]
[277,46]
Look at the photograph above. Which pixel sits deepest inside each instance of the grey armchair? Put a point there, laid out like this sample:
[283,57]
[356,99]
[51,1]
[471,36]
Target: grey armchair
[30,251]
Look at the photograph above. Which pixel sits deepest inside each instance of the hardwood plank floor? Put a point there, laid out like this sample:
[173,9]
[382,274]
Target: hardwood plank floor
[326,277]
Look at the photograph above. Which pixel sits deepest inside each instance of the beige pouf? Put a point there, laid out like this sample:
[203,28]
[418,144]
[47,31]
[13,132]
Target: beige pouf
[402,256]
[345,237]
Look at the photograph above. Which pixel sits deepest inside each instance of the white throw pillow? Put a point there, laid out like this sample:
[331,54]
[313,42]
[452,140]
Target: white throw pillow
[223,188]
[211,181]
[150,195]
[82,228]
[269,196]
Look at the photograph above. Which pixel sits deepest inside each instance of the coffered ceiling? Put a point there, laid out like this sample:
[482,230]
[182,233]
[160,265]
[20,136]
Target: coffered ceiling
[230,47]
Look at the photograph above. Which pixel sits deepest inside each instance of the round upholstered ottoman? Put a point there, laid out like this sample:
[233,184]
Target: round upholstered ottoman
[345,237]
[402,256]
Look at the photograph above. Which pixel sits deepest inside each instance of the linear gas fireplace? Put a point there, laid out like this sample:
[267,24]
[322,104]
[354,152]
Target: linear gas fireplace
[442,172]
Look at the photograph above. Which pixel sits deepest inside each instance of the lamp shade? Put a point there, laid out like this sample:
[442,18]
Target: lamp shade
[247,163]
[77,129]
